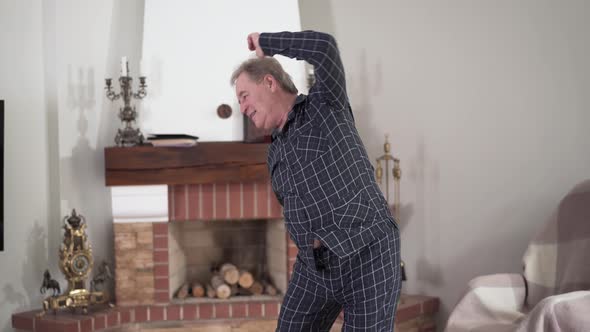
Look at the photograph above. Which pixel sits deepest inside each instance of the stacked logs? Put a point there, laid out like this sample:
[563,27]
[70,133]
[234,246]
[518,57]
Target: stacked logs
[227,281]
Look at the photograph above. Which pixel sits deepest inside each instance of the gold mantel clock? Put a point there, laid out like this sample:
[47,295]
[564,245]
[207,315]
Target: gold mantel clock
[76,262]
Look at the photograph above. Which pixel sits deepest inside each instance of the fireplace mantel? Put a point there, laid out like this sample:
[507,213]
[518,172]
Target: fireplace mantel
[207,162]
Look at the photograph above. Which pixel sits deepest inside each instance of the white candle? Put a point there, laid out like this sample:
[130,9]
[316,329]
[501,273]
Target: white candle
[124,69]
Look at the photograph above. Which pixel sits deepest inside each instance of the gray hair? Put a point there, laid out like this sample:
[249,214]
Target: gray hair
[257,68]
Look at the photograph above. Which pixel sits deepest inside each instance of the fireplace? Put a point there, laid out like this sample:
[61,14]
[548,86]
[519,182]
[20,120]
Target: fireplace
[169,235]
[255,247]
[162,199]
[205,226]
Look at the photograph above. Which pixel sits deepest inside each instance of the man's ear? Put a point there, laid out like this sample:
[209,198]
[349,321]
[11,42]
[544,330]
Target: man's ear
[270,82]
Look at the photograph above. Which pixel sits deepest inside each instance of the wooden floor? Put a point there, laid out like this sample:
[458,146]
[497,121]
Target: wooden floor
[229,326]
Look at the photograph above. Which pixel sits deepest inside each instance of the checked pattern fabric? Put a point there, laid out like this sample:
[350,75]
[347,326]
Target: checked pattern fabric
[321,174]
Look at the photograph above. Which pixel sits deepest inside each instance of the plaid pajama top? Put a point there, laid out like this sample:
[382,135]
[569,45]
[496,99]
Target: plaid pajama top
[320,171]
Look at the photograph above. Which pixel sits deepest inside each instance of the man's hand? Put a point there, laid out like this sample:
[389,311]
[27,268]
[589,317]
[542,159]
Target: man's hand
[253,44]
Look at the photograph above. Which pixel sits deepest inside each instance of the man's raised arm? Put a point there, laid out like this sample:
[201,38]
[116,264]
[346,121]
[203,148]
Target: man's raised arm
[320,50]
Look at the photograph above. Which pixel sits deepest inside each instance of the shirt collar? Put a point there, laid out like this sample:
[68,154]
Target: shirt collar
[290,117]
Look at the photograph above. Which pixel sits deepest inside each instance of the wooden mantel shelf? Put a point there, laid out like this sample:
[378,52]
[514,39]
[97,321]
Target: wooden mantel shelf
[207,162]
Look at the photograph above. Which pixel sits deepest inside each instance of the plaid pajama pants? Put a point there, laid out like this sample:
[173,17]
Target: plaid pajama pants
[366,285]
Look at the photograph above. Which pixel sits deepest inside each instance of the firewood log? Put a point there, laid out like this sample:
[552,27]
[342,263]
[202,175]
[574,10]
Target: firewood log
[198,289]
[256,288]
[244,291]
[182,292]
[269,289]
[210,292]
[222,290]
[246,280]
[230,273]
[235,290]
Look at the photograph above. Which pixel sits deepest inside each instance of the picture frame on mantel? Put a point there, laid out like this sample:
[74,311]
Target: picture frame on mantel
[253,134]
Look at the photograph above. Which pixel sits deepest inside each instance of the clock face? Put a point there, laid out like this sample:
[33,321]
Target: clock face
[80,264]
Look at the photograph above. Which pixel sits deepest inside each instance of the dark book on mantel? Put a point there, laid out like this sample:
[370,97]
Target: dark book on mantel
[172,140]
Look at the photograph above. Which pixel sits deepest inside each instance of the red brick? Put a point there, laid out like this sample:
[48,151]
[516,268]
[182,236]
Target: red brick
[248,199]
[254,309]
[205,311]
[430,306]
[238,310]
[222,310]
[100,322]
[189,312]
[262,199]
[24,320]
[161,284]
[173,312]
[56,324]
[193,201]
[162,297]
[44,324]
[235,200]
[141,314]
[161,242]
[112,319]
[271,310]
[160,229]
[86,325]
[207,201]
[405,313]
[221,201]
[125,315]
[161,256]
[156,313]
[161,270]
[179,198]
[429,327]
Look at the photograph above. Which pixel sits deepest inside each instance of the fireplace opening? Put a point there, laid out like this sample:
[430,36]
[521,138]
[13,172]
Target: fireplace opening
[220,260]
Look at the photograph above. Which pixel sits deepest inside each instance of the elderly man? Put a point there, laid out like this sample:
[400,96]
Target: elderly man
[334,211]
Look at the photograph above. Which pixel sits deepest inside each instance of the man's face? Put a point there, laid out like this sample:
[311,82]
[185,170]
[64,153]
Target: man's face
[255,101]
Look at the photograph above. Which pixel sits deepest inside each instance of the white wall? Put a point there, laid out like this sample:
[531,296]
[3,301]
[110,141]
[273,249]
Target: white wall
[191,49]
[487,106]
[27,163]
[55,56]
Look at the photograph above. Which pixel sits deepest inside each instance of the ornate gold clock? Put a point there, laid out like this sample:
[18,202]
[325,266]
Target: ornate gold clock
[76,263]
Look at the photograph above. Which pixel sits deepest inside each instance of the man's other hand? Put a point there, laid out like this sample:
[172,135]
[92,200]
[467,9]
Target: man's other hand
[253,44]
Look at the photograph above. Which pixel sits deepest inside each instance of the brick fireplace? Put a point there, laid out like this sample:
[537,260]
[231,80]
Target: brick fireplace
[175,212]
[239,223]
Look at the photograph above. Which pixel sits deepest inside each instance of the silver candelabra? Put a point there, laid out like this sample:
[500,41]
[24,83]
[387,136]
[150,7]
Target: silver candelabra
[128,136]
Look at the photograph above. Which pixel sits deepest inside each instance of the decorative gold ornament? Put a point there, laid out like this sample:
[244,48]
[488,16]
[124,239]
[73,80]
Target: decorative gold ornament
[76,263]
[396,174]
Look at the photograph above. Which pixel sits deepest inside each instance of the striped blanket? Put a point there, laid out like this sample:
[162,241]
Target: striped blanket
[553,292]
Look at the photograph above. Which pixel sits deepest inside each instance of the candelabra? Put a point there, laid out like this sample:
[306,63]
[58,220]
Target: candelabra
[128,136]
